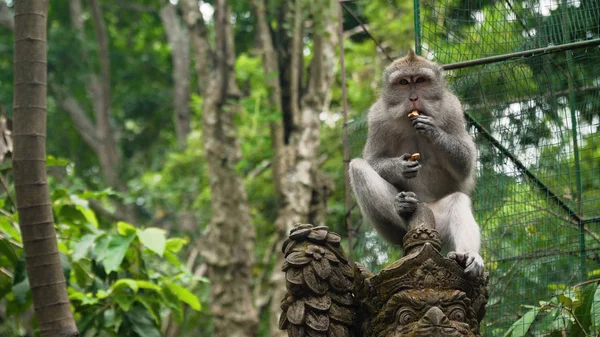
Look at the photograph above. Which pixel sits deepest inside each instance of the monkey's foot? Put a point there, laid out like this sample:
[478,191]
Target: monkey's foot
[471,261]
[406,203]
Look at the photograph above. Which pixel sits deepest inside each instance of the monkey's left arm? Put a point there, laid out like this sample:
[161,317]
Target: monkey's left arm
[456,146]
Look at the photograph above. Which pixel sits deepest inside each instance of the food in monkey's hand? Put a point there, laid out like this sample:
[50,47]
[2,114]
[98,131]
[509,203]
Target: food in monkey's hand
[415,156]
[413,113]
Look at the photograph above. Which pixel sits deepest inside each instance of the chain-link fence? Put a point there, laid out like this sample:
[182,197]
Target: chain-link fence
[528,74]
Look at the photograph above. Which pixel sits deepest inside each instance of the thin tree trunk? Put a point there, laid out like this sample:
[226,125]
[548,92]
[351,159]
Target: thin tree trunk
[178,36]
[230,236]
[302,188]
[42,257]
[98,134]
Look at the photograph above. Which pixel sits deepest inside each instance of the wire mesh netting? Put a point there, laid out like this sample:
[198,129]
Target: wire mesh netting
[536,120]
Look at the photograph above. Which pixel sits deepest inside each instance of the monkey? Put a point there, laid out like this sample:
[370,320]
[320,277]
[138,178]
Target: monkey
[388,184]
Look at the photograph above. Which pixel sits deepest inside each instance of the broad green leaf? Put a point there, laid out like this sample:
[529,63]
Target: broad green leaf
[175,244]
[144,301]
[595,310]
[82,247]
[172,301]
[89,215]
[6,250]
[115,252]
[154,239]
[185,296]
[9,229]
[142,323]
[125,282]
[147,285]
[522,325]
[100,247]
[583,312]
[173,259]
[123,299]
[21,291]
[125,228]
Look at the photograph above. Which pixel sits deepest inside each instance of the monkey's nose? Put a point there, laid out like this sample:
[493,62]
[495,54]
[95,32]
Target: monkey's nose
[413,99]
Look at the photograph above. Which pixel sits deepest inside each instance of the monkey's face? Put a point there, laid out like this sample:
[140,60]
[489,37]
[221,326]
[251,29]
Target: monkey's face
[413,83]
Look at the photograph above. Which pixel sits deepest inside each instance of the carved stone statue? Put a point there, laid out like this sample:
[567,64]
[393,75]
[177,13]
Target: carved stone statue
[422,294]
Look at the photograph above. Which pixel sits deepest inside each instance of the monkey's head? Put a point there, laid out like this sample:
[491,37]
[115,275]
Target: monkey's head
[413,83]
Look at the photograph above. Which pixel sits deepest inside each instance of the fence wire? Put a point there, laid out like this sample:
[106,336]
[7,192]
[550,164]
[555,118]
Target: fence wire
[536,120]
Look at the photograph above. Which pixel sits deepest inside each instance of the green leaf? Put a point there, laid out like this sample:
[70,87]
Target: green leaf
[100,247]
[172,302]
[125,282]
[53,161]
[142,323]
[115,252]
[7,227]
[154,239]
[582,313]
[124,300]
[143,300]
[125,228]
[89,215]
[522,325]
[82,247]
[185,296]
[175,244]
[7,251]
[147,285]
[595,310]
[173,259]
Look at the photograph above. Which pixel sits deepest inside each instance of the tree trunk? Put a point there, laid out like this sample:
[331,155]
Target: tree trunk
[302,188]
[230,236]
[179,39]
[42,258]
[98,134]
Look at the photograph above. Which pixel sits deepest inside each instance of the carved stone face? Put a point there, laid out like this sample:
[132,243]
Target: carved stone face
[427,313]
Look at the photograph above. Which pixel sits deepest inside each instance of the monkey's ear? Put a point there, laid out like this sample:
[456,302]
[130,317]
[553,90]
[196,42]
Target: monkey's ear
[411,54]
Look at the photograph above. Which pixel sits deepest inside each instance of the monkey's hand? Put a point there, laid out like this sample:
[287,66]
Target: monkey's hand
[409,169]
[406,203]
[471,261]
[426,126]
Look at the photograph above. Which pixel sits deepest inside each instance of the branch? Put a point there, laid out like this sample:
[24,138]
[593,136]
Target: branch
[271,68]
[102,88]
[98,208]
[199,36]
[179,39]
[82,123]
[6,17]
[323,61]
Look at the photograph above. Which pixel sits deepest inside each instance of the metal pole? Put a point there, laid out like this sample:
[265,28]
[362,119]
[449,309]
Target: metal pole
[347,218]
[521,54]
[417,16]
[566,20]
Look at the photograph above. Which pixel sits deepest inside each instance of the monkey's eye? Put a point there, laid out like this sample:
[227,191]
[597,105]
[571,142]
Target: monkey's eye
[403,82]
[420,80]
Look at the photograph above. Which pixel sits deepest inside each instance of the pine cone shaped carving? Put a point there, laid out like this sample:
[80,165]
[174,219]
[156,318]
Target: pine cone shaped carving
[320,282]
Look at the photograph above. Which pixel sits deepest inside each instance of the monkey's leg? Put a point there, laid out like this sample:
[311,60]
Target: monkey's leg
[376,198]
[459,231]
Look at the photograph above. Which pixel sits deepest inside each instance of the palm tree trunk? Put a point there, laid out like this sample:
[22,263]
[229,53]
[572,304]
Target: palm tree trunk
[42,257]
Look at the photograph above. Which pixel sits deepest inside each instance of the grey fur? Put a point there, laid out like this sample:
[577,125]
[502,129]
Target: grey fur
[444,176]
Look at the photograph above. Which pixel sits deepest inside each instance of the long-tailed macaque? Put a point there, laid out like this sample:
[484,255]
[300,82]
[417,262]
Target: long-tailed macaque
[388,183]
